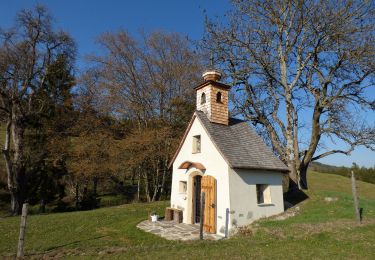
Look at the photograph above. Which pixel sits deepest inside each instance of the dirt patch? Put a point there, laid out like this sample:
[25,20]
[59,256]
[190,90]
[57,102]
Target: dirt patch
[60,253]
[303,230]
[246,231]
[104,230]
[275,232]
[112,250]
[291,212]
[331,226]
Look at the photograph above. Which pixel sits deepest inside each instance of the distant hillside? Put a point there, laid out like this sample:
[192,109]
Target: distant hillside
[361,173]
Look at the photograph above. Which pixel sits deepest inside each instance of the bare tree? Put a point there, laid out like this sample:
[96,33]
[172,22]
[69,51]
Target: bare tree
[300,67]
[148,83]
[139,79]
[26,52]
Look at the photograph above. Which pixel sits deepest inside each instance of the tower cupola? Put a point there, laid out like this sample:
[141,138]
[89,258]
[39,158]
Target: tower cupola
[213,74]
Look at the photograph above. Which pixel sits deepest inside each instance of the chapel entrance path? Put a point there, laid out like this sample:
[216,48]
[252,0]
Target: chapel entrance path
[173,231]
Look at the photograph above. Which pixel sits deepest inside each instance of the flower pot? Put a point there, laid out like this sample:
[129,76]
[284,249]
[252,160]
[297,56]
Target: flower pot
[154,218]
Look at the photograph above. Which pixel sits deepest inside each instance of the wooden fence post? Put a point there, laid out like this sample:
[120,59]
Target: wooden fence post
[355,199]
[21,239]
[201,217]
[226,222]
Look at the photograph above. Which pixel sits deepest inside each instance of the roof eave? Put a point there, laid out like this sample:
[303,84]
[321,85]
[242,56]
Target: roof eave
[212,82]
[283,170]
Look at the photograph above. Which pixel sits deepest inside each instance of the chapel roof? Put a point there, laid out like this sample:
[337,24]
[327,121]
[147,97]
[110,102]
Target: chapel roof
[240,145]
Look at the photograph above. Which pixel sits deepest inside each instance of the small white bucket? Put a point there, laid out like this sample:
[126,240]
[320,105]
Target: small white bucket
[154,218]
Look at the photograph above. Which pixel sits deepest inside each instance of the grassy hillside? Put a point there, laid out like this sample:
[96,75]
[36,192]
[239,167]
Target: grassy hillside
[321,230]
[366,174]
[321,182]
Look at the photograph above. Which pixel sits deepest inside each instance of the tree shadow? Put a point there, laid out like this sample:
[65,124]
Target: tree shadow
[293,198]
[53,248]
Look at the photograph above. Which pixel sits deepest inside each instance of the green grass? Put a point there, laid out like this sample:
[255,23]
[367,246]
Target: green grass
[321,230]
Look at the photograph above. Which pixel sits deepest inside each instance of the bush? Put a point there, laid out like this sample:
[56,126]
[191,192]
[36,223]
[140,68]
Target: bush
[89,201]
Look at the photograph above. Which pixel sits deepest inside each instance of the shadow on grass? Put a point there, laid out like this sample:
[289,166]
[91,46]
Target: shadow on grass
[294,198]
[53,248]
[4,203]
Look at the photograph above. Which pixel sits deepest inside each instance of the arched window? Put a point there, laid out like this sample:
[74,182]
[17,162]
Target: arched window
[203,98]
[218,97]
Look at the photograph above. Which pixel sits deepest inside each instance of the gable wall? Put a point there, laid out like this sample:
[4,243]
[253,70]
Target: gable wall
[215,165]
[243,198]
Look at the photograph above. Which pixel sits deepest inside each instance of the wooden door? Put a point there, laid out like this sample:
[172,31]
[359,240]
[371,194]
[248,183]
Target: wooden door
[208,186]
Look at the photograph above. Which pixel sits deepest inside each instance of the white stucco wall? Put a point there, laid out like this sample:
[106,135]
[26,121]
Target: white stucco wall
[243,198]
[215,165]
[236,188]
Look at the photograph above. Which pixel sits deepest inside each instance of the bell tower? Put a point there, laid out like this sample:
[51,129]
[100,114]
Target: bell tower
[212,97]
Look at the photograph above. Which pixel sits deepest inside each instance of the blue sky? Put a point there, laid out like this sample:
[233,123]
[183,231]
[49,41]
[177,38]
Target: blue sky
[85,20]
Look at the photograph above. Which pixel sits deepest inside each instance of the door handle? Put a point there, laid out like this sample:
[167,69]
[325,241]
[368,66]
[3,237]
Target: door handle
[213,205]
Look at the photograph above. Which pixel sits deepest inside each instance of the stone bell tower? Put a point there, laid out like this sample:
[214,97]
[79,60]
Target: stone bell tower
[212,97]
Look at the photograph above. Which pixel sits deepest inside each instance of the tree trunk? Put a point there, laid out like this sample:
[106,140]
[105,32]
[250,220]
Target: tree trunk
[42,206]
[8,165]
[77,195]
[18,130]
[156,182]
[293,179]
[303,176]
[15,164]
[133,178]
[291,131]
[163,178]
[314,141]
[139,186]
[95,182]
[147,190]
[298,177]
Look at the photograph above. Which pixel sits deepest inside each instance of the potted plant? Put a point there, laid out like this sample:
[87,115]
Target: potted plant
[154,217]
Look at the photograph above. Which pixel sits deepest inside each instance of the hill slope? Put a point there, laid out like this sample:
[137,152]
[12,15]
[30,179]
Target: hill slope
[330,182]
[320,230]
[366,174]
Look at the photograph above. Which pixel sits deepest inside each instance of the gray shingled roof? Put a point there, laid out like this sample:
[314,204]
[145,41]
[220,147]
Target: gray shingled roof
[241,145]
